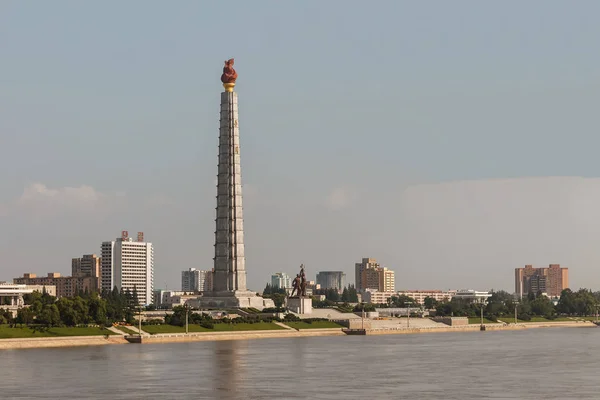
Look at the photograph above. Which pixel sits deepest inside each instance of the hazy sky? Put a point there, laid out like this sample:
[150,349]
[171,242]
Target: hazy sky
[452,141]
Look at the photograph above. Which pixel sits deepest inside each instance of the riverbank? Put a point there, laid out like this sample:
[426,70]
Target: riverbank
[488,327]
[69,341]
[62,341]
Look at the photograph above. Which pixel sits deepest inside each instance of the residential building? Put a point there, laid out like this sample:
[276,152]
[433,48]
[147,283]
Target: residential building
[66,286]
[281,280]
[376,297]
[420,295]
[370,275]
[88,265]
[129,264]
[387,281]
[551,280]
[194,280]
[367,263]
[332,280]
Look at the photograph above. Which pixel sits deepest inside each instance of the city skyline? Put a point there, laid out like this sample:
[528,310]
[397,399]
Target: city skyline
[470,179]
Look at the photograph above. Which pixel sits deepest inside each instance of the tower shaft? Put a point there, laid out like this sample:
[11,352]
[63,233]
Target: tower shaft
[229,261]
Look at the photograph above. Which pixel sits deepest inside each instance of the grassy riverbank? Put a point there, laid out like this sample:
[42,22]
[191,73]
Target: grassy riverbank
[258,326]
[6,332]
[313,325]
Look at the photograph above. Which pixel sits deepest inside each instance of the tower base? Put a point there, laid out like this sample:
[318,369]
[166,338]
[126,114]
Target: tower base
[244,299]
[300,305]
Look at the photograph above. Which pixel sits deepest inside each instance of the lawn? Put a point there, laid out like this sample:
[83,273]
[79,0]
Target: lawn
[7,332]
[534,319]
[477,320]
[127,330]
[164,328]
[313,325]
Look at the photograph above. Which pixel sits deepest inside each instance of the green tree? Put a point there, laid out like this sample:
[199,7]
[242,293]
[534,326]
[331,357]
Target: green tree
[268,290]
[352,294]
[430,303]
[345,295]
[25,316]
[278,299]
[542,306]
[49,316]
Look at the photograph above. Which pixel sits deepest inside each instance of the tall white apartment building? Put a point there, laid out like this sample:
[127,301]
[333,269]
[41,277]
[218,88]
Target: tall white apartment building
[194,280]
[281,280]
[129,264]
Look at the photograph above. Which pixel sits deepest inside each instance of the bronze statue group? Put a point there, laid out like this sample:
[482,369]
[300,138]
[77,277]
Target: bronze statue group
[299,283]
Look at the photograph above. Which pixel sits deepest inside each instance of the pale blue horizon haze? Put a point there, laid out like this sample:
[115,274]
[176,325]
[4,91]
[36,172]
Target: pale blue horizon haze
[451,141]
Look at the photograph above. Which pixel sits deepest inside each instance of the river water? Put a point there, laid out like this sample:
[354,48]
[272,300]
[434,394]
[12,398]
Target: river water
[553,363]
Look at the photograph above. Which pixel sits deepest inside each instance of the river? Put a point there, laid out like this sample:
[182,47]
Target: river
[552,363]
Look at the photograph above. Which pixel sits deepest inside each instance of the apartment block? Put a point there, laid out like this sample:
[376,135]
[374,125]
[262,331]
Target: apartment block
[194,280]
[420,295]
[370,275]
[66,286]
[281,280]
[128,264]
[551,280]
[87,266]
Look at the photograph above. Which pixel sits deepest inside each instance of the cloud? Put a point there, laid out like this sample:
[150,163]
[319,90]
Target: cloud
[481,230]
[39,202]
[340,198]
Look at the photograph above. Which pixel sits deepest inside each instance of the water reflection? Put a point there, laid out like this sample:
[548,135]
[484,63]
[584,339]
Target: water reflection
[229,371]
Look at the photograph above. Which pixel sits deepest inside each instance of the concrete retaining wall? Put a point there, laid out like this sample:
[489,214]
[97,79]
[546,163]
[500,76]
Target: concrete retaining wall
[64,341]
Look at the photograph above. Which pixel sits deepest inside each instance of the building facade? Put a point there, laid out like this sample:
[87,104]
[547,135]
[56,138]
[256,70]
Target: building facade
[11,295]
[472,296]
[87,266]
[281,280]
[420,295]
[128,264]
[551,280]
[194,280]
[359,268]
[331,280]
[66,286]
[370,275]
[376,297]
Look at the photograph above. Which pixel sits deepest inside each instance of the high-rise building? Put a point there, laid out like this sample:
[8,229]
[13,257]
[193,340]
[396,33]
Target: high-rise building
[194,280]
[129,264]
[359,268]
[551,280]
[387,281]
[88,265]
[370,275]
[331,280]
[281,280]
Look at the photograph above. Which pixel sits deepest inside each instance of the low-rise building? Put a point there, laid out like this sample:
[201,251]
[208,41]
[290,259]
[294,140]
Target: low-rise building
[12,294]
[376,297]
[421,295]
[473,296]
[66,286]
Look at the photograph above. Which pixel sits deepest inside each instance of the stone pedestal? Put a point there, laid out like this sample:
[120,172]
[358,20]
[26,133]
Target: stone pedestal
[232,300]
[300,305]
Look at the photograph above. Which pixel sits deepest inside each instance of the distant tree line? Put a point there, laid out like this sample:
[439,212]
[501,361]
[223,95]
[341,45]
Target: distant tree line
[502,304]
[84,308]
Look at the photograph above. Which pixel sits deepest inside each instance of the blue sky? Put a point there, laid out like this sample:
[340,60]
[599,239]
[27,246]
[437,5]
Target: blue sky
[349,111]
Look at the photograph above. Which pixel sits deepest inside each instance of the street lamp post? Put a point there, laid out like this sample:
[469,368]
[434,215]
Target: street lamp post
[408,303]
[140,322]
[516,305]
[187,311]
